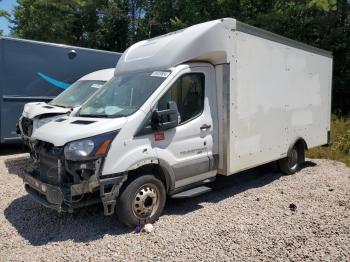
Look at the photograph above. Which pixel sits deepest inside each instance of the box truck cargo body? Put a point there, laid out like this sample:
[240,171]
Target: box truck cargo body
[33,71]
[280,91]
[212,99]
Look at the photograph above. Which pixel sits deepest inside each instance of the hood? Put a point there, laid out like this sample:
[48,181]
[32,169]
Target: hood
[32,110]
[67,129]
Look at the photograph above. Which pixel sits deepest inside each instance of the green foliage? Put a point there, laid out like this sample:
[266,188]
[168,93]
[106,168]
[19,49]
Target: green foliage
[340,148]
[342,136]
[88,23]
[326,5]
[4,14]
[116,24]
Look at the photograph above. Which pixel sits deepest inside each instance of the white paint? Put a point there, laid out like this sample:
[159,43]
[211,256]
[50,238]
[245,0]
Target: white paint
[302,118]
[203,42]
[248,145]
[278,93]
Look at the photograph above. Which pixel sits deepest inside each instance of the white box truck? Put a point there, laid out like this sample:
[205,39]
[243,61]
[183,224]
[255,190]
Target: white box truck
[213,99]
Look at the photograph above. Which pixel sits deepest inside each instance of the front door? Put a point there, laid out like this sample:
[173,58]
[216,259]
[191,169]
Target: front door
[188,147]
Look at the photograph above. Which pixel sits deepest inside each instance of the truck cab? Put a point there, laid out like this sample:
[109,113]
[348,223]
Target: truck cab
[158,122]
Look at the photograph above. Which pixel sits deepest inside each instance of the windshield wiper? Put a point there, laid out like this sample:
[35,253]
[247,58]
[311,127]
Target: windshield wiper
[64,106]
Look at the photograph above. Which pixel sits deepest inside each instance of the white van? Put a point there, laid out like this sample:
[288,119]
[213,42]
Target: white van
[213,99]
[37,114]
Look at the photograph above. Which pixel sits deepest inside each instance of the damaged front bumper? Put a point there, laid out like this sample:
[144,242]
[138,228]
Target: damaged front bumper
[60,198]
[47,195]
[65,185]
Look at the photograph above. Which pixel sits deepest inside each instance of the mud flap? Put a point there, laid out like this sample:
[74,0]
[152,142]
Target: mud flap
[109,191]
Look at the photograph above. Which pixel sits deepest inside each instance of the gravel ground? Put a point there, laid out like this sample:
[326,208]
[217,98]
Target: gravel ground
[246,218]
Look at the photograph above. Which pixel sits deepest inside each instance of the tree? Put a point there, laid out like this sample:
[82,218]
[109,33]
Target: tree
[4,14]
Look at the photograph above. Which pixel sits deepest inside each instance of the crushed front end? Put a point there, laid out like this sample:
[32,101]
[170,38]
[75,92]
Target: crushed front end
[66,184]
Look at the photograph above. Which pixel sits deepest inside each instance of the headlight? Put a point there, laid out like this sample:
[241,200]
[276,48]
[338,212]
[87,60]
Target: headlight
[92,147]
[79,149]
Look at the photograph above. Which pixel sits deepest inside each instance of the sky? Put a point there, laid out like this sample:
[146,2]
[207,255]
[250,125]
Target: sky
[7,5]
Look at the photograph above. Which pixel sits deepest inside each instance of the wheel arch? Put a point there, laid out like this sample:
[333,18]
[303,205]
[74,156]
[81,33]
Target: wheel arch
[159,168]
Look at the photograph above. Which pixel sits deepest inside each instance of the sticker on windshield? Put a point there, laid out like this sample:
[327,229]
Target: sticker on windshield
[160,74]
[96,85]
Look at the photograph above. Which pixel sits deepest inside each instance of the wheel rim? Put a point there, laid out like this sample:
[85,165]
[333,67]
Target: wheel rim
[293,159]
[146,201]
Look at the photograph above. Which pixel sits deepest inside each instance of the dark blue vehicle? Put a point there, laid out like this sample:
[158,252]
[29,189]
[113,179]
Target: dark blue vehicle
[37,71]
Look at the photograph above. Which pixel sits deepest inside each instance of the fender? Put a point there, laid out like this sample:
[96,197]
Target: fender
[163,165]
[144,162]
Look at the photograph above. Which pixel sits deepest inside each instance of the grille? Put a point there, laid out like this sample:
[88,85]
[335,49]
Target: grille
[27,126]
[48,163]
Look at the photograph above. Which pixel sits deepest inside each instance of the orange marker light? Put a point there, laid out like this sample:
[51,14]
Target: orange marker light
[103,148]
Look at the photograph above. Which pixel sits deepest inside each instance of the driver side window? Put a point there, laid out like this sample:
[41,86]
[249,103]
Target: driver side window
[188,93]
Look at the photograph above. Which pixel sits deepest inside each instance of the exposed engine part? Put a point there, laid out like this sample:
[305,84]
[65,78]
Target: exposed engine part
[64,185]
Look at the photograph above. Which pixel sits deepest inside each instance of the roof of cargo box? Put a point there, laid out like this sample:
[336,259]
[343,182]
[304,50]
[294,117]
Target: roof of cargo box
[207,41]
[201,42]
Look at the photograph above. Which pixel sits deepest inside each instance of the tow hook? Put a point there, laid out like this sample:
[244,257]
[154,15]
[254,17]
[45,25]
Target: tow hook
[109,191]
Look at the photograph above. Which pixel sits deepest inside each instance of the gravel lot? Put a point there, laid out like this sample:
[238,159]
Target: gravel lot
[246,218]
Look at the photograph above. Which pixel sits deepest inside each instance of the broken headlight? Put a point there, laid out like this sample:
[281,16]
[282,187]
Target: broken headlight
[89,148]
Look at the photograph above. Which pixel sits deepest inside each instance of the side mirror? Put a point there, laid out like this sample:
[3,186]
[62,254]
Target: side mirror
[165,119]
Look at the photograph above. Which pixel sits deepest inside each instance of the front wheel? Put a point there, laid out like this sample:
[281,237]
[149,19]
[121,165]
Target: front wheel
[142,201]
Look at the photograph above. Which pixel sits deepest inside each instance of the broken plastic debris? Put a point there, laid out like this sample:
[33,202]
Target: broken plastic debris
[293,207]
[148,228]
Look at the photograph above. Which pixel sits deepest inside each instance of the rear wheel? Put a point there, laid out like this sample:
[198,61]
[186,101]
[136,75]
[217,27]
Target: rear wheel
[294,159]
[142,201]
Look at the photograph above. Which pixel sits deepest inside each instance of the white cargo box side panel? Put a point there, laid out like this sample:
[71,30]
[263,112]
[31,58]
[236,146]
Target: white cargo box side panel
[278,93]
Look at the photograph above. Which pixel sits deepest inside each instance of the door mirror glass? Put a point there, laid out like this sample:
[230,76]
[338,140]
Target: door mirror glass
[165,119]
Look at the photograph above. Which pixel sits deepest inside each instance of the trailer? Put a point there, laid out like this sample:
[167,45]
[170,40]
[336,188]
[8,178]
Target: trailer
[213,99]
[32,71]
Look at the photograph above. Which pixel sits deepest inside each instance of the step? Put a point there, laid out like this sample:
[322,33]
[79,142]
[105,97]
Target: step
[192,192]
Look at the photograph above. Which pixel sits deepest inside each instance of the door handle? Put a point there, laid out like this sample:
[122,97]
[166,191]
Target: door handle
[205,127]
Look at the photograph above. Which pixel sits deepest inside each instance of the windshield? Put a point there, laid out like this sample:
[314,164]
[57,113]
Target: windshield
[123,95]
[77,93]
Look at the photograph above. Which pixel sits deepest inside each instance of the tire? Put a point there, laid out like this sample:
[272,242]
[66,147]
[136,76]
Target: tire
[295,157]
[142,201]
